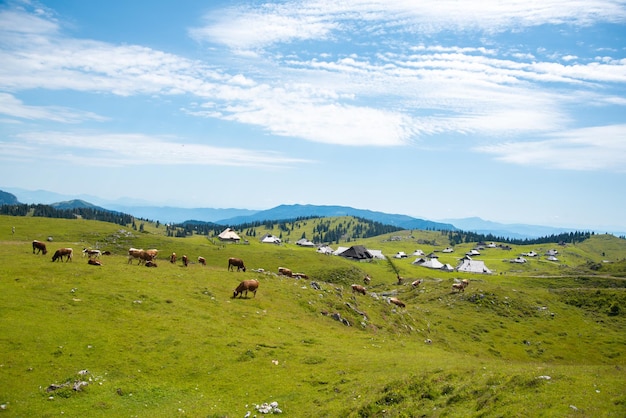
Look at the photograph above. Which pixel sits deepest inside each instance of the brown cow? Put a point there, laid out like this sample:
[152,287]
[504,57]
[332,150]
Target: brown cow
[151,263]
[141,255]
[416,283]
[173,258]
[63,252]
[185,260]
[285,271]
[152,253]
[397,302]
[133,253]
[367,279]
[245,286]
[236,262]
[94,262]
[202,261]
[460,287]
[357,288]
[40,247]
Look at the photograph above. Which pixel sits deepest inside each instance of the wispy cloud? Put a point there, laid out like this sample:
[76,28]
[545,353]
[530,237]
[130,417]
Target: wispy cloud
[10,106]
[118,150]
[265,24]
[392,94]
[592,148]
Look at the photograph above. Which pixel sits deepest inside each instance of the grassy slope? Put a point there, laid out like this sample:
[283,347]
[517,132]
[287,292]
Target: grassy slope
[170,341]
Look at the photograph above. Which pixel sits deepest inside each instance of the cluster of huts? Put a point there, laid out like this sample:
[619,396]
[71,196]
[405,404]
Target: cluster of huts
[466,264]
[361,253]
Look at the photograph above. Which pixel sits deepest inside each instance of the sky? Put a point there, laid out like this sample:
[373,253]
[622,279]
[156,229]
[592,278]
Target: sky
[512,111]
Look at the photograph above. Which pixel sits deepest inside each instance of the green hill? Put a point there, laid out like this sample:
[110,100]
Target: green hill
[539,339]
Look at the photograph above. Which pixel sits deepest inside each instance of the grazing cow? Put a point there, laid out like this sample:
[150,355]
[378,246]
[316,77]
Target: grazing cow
[152,253]
[236,262]
[63,252]
[397,302]
[357,288]
[133,253]
[185,260]
[40,247]
[151,263]
[94,262]
[202,261]
[91,253]
[367,279]
[245,286]
[460,287]
[285,271]
[141,255]
[300,276]
[173,258]
[416,283]
[400,279]
[146,255]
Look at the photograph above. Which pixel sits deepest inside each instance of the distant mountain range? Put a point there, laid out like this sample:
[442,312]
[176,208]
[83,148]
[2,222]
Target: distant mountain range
[231,216]
[298,211]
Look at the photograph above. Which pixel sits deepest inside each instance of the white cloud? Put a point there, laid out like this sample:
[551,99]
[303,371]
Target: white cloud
[594,148]
[13,107]
[390,95]
[269,23]
[118,150]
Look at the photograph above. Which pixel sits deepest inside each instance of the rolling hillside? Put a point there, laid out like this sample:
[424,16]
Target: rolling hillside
[542,339]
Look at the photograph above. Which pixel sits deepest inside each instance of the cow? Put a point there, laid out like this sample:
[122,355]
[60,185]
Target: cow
[367,279]
[285,271]
[357,288]
[173,258]
[202,261]
[400,279]
[185,260]
[91,253]
[397,302]
[416,283]
[236,262]
[94,262]
[141,255]
[300,276]
[40,247]
[106,252]
[152,253]
[460,287]
[245,286]
[145,256]
[63,252]
[150,263]
[133,253]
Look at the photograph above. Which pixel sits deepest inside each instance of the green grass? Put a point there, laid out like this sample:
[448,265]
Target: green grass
[171,341]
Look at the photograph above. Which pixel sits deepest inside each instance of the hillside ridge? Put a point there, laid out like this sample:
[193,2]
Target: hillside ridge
[235,216]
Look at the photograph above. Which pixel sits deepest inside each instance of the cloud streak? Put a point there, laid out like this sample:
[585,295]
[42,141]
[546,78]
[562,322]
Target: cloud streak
[12,107]
[252,27]
[119,150]
[391,95]
[595,148]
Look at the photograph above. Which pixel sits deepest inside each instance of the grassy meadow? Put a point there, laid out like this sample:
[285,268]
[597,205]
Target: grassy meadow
[541,339]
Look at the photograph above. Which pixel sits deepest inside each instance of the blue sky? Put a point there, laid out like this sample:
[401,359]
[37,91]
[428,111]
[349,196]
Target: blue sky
[511,111]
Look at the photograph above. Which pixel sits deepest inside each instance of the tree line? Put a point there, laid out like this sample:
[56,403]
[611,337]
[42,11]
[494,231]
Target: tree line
[47,211]
[458,237]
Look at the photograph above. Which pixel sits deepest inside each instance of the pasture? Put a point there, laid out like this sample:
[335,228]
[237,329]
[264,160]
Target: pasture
[540,339]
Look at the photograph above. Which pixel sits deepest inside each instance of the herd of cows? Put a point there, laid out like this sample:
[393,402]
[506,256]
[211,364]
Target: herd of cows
[148,257]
